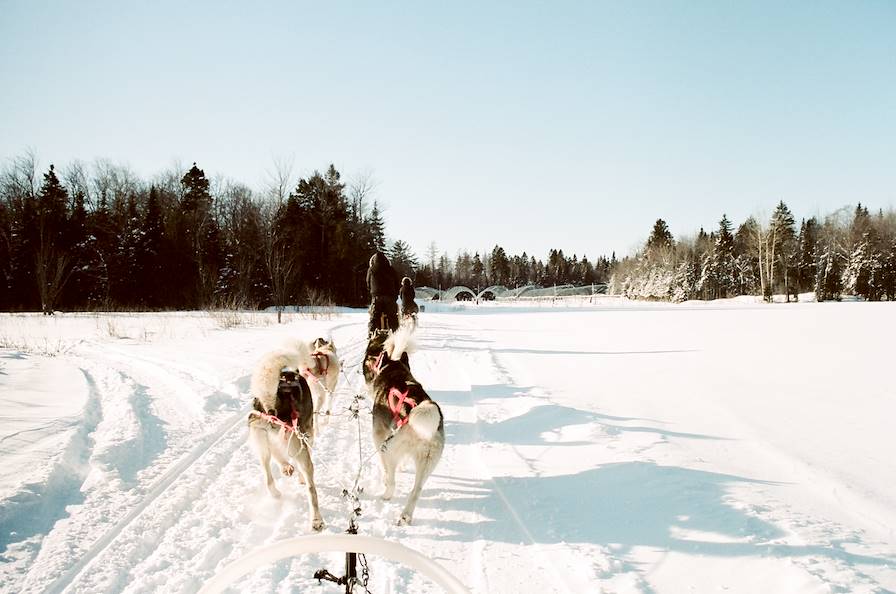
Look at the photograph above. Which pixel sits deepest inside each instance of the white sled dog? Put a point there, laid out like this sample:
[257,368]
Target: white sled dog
[323,374]
[403,414]
[281,424]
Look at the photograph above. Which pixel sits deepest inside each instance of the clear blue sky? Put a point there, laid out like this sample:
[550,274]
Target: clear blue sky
[568,125]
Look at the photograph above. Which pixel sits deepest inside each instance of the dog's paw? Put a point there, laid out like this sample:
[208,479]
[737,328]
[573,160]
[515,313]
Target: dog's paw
[287,469]
[386,495]
[274,491]
[317,524]
[404,520]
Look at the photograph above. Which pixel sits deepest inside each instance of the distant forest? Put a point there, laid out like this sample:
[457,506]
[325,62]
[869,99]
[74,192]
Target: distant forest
[99,237]
[849,252]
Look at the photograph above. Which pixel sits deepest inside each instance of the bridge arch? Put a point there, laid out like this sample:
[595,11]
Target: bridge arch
[492,293]
[458,293]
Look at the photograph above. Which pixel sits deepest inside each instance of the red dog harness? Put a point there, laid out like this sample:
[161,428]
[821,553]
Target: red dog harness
[397,399]
[273,420]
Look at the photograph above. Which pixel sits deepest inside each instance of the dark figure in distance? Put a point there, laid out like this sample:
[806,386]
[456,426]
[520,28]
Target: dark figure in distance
[409,308]
[382,282]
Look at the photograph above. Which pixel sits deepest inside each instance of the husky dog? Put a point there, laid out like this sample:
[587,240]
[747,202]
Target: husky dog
[405,418]
[281,423]
[323,374]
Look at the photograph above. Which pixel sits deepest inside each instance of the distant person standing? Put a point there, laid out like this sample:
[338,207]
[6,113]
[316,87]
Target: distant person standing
[408,305]
[382,282]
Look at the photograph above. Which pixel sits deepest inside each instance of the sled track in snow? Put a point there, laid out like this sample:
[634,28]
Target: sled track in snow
[163,484]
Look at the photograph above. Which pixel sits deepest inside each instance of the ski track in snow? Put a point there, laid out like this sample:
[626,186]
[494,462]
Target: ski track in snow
[158,489]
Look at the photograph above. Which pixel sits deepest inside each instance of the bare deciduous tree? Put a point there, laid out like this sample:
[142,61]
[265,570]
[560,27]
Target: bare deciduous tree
[279,179]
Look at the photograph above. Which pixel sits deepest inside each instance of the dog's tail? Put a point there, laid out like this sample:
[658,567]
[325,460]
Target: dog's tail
[399,342]
[425,419]
[266,376]
[301,349]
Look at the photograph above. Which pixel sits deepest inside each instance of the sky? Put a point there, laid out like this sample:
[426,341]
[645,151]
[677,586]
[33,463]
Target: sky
[528,125]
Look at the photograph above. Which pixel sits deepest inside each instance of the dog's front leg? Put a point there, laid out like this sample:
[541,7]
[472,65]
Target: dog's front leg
[260,437]
[306,468]
[389,463]
[280,456]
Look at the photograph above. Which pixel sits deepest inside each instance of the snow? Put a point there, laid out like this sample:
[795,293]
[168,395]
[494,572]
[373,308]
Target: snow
[596,445]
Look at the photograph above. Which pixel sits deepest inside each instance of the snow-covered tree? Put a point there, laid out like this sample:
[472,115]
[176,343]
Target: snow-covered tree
[719,270]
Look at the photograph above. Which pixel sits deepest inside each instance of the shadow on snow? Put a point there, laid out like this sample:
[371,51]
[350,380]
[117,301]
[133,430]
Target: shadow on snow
[629,504]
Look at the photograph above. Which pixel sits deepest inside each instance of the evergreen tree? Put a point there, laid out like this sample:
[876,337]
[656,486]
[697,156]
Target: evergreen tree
[828,282]
[151,250]
[807,259]
[6,296]
[377,228]
[500,266]
[785,249]
[53,258]
[660,242]
[719,272]
[863,269]
[478,269]
[888,280]
[403,259]
[77,240]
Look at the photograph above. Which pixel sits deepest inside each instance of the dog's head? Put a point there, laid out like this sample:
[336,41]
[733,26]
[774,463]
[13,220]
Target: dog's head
[322,344]
[290,390]
[374,356]
[383,348]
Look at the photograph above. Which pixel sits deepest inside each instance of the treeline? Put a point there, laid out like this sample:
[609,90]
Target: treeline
[850,252]
[105,239]
[497,268]
[100,237]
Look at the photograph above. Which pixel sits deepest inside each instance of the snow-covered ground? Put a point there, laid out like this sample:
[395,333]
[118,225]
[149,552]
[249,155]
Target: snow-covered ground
[608,447]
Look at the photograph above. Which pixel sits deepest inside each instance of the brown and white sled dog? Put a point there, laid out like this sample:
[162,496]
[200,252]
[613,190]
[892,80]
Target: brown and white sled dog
[281,424]
[323,374]
[403,414]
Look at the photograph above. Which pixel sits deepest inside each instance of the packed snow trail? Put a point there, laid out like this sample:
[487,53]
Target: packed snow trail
[607,450]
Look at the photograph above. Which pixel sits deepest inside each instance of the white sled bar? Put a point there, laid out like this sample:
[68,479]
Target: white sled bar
[329,543]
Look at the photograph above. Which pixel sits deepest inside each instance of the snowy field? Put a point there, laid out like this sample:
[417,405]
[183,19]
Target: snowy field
[619,447]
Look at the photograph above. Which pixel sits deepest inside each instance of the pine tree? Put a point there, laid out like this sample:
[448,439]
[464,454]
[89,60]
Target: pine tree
[888,277]
[53,259]
[478,269]
[807,268]
[828,282]
[196,242]
[660,242]
[403,259]
[376,225]
[863,263]
[77,240]
[6,296]
[719,276]
[150,253]
[784,250]
[500,267]
[746,259]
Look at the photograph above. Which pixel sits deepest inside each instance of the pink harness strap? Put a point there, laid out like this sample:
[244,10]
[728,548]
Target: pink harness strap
[397,400]
[287,428]
[378,363]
